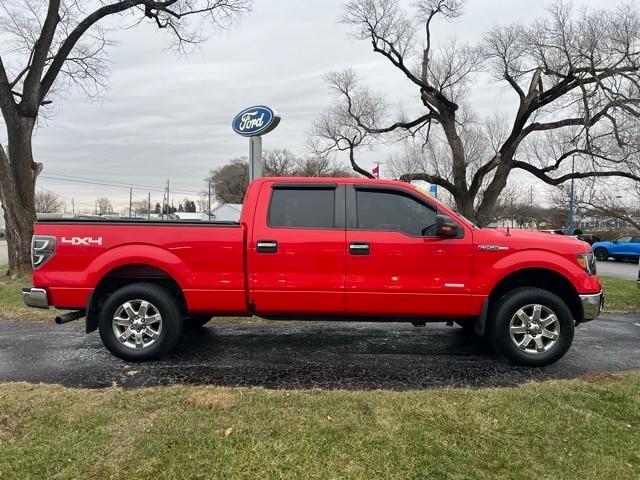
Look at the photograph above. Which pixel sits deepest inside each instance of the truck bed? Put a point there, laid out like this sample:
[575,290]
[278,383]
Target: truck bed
[204,259]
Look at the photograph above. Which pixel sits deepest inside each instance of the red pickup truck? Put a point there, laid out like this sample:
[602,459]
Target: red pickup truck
[310,248]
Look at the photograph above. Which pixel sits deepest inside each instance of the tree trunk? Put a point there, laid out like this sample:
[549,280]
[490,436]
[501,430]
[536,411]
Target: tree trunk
[17,191]
[485,211]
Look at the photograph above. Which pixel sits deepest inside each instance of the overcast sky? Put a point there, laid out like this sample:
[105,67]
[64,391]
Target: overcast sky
[169,117]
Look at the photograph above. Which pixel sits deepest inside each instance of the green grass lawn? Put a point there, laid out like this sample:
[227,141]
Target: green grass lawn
[587,429]
[620,295]
[11,305]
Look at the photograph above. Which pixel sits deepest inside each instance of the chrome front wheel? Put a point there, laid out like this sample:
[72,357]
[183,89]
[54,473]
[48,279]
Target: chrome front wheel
[534,328]
[531,326]
[137,324]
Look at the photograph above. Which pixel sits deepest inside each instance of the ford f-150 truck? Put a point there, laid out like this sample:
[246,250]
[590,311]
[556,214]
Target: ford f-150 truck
[306,248]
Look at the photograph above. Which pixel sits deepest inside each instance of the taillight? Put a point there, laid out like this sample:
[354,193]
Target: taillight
[42,249]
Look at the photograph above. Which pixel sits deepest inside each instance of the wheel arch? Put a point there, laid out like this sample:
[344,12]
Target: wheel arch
[543,278]
[122,275]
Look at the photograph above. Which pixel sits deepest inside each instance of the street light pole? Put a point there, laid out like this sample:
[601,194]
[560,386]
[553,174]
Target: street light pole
[571,200]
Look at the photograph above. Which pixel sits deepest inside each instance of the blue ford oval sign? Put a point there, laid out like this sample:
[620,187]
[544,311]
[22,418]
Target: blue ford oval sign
[254,121]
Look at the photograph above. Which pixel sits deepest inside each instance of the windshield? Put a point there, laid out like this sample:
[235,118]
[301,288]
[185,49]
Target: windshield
[469,222]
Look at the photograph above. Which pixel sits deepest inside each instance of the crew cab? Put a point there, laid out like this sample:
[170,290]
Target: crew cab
[310,248]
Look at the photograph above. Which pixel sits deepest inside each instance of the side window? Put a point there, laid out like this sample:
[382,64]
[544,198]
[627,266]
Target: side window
[389,210]
[624,240]
[635,239]
[302,207]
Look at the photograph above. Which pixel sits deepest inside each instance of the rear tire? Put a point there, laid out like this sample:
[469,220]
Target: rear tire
[531,327]
[139,322]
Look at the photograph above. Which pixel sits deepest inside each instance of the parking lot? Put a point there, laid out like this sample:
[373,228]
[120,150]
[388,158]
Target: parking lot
[308,355]
[611,268]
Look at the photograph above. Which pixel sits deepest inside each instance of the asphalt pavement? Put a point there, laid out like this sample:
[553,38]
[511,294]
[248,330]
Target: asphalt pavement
[307,355]
[612,268]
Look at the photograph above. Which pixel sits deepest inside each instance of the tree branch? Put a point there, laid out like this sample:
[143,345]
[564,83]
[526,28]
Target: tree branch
[541,174]
[70,42]
[435,179]
[30,91]
[7,104]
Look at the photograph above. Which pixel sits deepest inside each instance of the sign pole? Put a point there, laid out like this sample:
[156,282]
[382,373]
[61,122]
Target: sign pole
[255,157]
[254,122]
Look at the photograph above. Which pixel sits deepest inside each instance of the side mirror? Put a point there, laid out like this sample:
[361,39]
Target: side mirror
[445,227]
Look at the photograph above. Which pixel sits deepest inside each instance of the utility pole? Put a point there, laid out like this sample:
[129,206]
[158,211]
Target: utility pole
[130,200]
[73,206]
[209,208]
[571,200]
[149,206]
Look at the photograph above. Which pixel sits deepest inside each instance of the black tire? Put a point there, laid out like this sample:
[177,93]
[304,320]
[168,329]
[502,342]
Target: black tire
[195,322]
[162,301]
[521,298]
[601,254]
[468,325]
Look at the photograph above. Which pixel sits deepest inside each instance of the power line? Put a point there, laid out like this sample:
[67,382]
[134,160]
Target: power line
[115,184]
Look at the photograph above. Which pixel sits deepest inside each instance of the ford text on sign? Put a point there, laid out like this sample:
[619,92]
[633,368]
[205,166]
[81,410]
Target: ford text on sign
[256,120]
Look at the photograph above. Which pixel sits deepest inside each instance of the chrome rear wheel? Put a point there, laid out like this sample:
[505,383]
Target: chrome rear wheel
[137,324]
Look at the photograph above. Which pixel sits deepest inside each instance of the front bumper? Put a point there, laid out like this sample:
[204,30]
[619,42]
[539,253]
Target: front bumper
[591,306]
[35,297]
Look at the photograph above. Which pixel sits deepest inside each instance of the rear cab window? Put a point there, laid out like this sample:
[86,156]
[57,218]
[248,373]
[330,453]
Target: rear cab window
[312,206]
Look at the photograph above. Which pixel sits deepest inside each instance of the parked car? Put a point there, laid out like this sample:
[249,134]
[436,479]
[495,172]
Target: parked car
[590,238]
[626,247]
[347,249]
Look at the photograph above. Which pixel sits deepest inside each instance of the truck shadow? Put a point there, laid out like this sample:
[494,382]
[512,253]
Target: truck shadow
[336,356]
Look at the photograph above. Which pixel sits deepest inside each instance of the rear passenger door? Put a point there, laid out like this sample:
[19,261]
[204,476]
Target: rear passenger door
[297,249]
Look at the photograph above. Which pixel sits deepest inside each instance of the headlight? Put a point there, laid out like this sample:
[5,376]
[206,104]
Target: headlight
[587,261]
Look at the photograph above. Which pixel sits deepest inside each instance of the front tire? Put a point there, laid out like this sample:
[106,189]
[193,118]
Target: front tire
[532,327]
[139,322]
[601,254]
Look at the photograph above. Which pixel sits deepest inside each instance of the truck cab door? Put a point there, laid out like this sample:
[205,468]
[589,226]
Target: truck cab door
[396,265]
[297,249]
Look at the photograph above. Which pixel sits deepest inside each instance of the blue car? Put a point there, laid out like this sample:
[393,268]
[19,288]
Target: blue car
[622,248]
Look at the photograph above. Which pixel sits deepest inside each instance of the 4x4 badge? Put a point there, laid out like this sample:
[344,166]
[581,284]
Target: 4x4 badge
[82,241]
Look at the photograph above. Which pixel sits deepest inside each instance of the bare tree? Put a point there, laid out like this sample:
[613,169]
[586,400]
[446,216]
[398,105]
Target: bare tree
[574,74]
[230,181]
[607,202]
[104,206]
[279,163]
[61,43]
[47,202]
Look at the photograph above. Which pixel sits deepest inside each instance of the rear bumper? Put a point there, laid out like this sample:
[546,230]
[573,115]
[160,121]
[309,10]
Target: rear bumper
[591,306]
[35,297]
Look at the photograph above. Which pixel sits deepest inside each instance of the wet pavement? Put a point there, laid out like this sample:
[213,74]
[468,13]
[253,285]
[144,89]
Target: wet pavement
[307,355]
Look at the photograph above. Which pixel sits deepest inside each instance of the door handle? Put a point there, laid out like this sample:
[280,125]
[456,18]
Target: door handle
[267,246]
[359,248]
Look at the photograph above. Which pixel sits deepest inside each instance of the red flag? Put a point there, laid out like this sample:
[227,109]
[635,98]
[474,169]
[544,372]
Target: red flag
[376,171]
